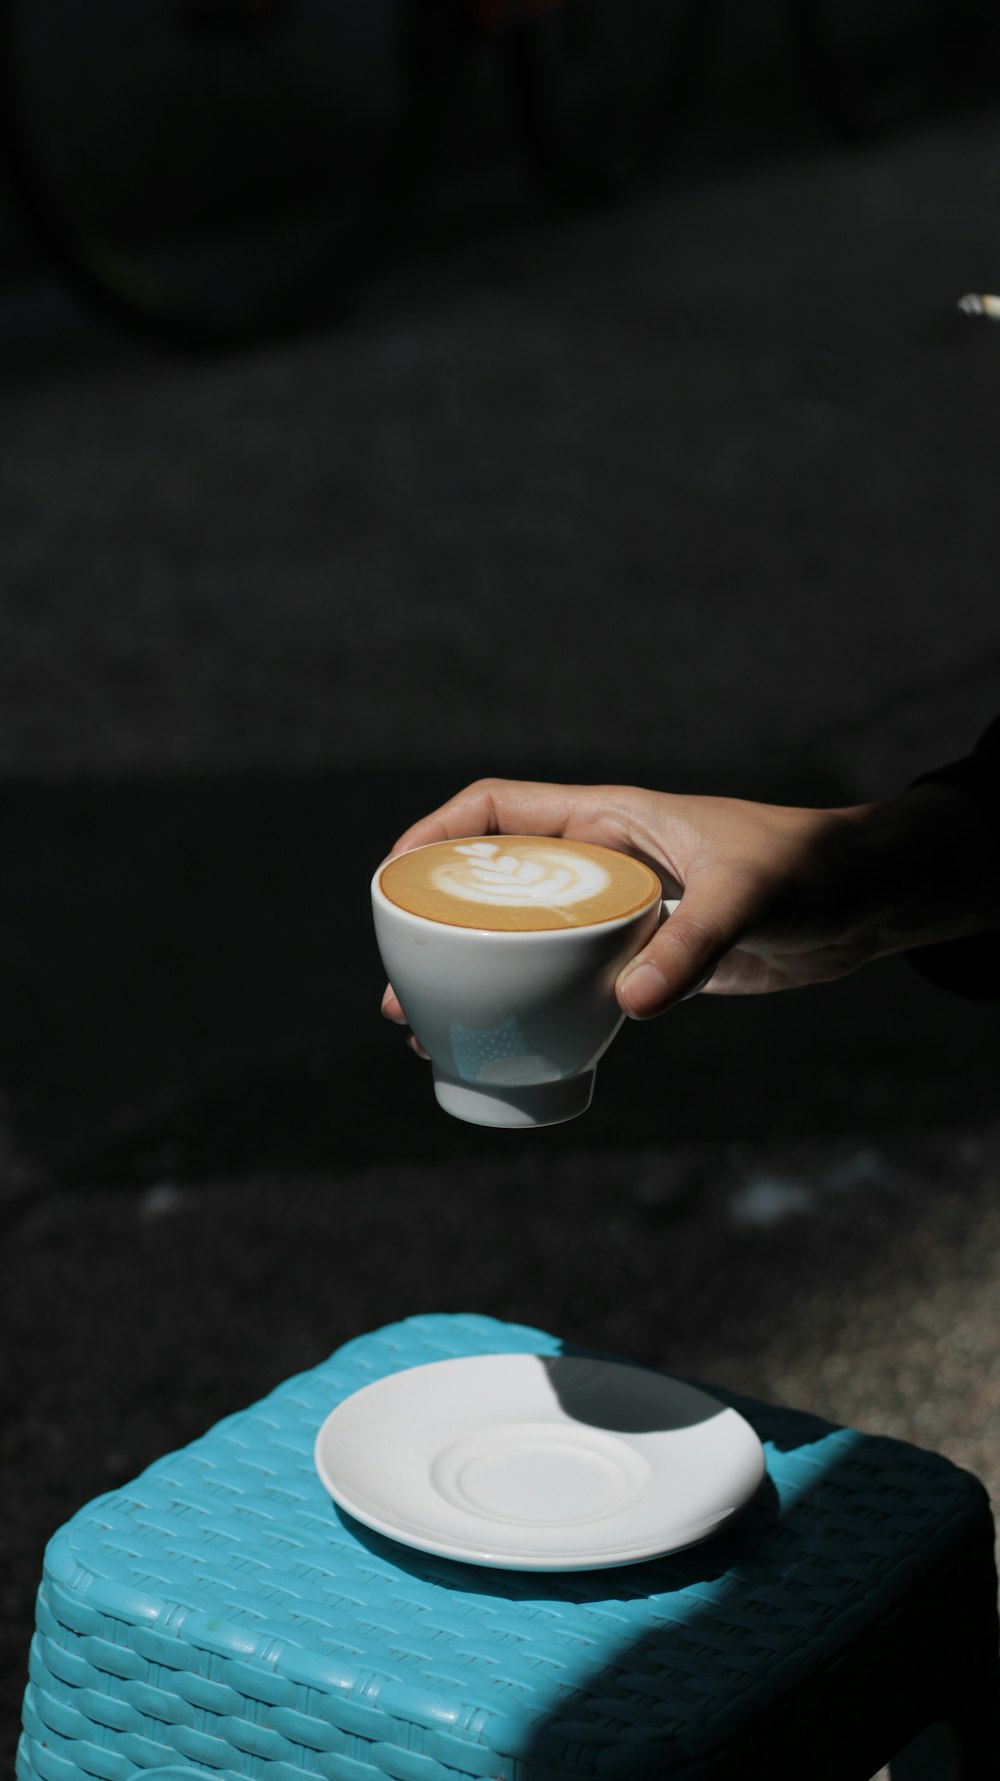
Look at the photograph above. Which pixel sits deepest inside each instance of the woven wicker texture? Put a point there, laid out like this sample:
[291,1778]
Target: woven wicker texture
[219,1615]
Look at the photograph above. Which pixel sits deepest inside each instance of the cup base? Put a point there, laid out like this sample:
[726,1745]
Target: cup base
[535,1104]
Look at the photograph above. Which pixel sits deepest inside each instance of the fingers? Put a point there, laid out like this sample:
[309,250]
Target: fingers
[392,1010]
[497,807]
[683,953]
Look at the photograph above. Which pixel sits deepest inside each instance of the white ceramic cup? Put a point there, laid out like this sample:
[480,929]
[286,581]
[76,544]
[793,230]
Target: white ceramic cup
[514,1022]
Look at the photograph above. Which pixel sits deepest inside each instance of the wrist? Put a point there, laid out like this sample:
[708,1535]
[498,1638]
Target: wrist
[932,864]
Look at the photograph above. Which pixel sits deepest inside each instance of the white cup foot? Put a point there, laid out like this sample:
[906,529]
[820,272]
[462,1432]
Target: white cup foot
[536,1104]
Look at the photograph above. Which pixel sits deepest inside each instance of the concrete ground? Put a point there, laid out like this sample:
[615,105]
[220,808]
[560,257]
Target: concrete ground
[695,490]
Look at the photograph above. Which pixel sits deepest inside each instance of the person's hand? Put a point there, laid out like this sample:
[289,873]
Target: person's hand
[771,896]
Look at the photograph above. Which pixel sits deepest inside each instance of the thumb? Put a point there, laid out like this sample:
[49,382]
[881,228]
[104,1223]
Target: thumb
[682,955]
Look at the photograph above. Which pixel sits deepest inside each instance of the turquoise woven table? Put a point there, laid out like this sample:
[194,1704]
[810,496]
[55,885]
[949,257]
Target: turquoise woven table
[219,1617]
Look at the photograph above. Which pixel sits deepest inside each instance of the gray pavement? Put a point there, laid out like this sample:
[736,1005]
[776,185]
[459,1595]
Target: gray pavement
[698,490]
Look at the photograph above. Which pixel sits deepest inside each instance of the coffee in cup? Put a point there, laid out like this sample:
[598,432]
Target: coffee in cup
[519,883]
[504,951]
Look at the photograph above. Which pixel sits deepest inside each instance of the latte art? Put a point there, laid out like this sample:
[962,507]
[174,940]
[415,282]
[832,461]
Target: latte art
[486,872]
[518,883]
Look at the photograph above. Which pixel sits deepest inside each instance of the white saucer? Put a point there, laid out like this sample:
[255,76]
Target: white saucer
[537,1462]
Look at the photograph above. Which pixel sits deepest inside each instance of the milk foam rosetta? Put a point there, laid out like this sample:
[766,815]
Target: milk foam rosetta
[518,882]
[486,872]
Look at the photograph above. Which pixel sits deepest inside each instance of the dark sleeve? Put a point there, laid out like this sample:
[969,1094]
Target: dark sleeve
[969,967]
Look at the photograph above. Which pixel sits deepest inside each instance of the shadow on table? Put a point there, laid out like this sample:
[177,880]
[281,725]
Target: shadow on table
[808,1613]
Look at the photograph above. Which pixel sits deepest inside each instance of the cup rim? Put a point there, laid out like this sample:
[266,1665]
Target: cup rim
[608,925]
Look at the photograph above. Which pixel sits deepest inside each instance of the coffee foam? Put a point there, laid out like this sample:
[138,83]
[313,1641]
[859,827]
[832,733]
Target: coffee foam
[486,872]
[518,883]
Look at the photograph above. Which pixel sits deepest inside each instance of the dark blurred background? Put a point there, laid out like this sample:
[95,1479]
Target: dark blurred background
[397,394]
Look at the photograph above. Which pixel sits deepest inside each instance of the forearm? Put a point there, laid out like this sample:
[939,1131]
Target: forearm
[933,868]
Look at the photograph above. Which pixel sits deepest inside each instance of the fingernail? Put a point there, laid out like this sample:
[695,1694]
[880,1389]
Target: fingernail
[699,986]
[643,989]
